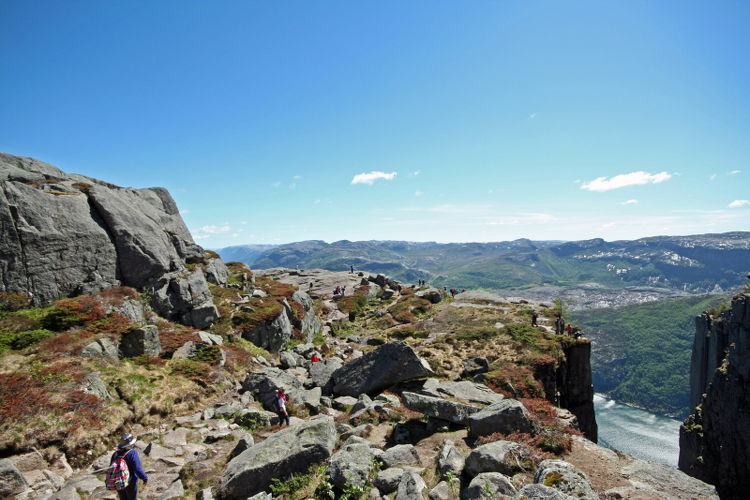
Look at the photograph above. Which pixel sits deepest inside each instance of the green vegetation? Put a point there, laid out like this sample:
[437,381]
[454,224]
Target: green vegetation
[651,345]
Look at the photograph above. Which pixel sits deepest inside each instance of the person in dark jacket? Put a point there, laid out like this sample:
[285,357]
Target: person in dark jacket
[125,449]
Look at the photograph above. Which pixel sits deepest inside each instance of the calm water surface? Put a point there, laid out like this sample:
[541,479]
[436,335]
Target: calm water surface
[637,432]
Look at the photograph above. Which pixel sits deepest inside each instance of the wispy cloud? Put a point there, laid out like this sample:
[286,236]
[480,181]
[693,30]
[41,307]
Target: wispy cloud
[371,177]
[276,184]
[735,172]
[531,116]
[415,173]
[601,184]
[297,177]
[629,202]
[418,193]
[712,177]
[184,212]
[215,229]
[739,203]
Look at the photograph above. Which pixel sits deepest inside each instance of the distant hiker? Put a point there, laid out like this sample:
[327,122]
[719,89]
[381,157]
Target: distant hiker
[343,290]
[559,324]
[570,329]
[315,358]
[126,464]
[281,399]
[578,334]
[351,269]
[534,317]
[337,290]
[311,285]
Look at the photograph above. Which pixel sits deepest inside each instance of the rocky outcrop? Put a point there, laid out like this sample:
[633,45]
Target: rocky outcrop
[384,367]
[576,388]
[65,234]
[715,439]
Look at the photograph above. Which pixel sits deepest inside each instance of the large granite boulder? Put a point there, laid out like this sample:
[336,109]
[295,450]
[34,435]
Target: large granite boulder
[541,492]
[444,409]
[565,477]
[65,234]
[289,451]
[410,487]
[377,370]
[271,335]
[264,383]
[140,341]
[507,416]
[321,373]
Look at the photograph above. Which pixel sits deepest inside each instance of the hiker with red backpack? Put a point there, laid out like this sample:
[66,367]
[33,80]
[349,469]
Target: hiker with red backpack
[125,469]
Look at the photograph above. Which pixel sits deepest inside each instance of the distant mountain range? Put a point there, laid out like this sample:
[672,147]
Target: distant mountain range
[675,265]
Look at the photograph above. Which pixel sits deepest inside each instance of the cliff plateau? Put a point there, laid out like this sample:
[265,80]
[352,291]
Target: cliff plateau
[715,439]
[63,235]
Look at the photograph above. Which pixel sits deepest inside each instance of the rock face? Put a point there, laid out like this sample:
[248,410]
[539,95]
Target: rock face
[65,234]
[715,440]
[507,416]
[290,451]
[387,365]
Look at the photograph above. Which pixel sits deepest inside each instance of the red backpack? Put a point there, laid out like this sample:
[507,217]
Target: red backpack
[118,474]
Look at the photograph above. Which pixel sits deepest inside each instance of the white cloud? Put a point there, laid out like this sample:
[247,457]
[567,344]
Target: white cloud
[415,173]
[276,184]
[735,172]
[531,116]
[297,177]
[184,212]
[623,180]
[418,193]
[201,237]
[739,203]
[712,177]
[371,177]
[244,223]
[215,229]
[629,202]
[316,202]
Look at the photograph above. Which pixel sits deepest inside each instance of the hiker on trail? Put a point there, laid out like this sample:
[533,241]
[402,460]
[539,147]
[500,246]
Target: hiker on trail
[558,326]
[534,317]
[130,455]
[570,329]
[337,290]
[351,269]
[343,290]
[315,358]
[281,399]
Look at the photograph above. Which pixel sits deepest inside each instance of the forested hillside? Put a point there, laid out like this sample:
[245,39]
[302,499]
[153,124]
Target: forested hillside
[641,353]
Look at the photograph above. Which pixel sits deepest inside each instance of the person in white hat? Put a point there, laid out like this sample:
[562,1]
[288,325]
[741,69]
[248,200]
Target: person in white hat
[125,450]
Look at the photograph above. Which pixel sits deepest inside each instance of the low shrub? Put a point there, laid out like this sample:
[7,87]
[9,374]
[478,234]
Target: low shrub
[11,301]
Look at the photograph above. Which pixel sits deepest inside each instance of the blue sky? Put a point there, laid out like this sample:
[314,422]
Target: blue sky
[471,121]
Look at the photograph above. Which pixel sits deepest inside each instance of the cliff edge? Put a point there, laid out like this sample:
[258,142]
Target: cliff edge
[715,439]
[63,235]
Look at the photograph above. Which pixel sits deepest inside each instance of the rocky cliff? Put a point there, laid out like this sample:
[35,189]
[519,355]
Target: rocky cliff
[715,439]
[64,235]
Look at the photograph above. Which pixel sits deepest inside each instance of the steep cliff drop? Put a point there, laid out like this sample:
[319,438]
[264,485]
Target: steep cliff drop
[577,391]
[715,439]
[64,235]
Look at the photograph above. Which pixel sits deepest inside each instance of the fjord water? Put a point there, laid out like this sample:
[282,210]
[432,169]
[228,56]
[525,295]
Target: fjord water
[636,432]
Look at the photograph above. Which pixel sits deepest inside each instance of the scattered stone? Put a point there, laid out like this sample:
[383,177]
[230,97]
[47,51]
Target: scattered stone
[564,477]
[450,460]
[474,367]
[245,442]
[507,416]
[210,338]
[227,410]
[379,369]
[506,457]
[205,494]
[156,451]
[344,403]
[352,464]
[93,384]
[188,419]
[177,437]
[410,487]
[443,491]
[444,409]
[387,480]
[401,454]
[322,371]
[288,359]
[271,335]
[489,484]
[101,347]
[541,492]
